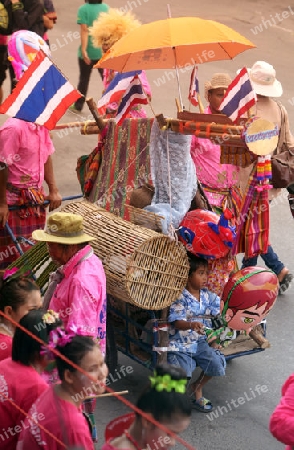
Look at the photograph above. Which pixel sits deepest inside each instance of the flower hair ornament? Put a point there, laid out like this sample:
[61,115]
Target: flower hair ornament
[166,383]
[14,273]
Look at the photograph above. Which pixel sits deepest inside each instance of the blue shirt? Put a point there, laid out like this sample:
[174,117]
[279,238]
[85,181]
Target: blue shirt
[187,307]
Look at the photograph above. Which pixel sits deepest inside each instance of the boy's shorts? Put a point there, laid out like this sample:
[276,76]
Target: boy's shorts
[211,360]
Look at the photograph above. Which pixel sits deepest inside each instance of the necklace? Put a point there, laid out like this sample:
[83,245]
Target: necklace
[132,440]
[6,328]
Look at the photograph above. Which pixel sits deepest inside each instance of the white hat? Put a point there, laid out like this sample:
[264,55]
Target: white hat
[263,80]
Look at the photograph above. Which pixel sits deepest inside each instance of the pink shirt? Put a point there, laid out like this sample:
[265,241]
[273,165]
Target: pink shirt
[108,446]
[210,172]
[80,298]
[282,420]
[60,418]
[5,346]
[25,148]
[23,385]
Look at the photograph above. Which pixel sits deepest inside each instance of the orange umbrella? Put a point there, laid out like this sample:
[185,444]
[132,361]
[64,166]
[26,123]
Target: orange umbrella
[174,42]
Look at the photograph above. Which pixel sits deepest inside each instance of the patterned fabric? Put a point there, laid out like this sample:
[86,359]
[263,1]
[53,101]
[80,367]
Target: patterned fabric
[21,227]
[187,307]
[219,271]
[125,165]
[253,224]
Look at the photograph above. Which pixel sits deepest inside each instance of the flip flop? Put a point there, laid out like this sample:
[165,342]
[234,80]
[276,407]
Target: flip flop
[202,404]
[285,283]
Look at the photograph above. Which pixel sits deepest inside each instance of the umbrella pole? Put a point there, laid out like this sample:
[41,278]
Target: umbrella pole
[178,81]
[177,70]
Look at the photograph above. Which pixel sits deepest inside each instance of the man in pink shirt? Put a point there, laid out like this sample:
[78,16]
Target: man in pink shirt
[78,289]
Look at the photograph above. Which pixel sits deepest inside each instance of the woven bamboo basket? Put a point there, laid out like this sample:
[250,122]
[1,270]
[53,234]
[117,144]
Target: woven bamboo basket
[142,267]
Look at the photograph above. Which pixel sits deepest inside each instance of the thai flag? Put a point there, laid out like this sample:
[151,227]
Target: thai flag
[133,95]
[42,94]
[194,87]
[240,96]
[116,89]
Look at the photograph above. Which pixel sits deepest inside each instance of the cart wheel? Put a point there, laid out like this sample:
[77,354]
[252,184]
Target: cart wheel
[111,350]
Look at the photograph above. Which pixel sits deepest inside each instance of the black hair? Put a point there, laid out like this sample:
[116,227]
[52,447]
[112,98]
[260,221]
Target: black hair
[75,350]
[25,349]
[196,262]
[93,2]
[163,405]
[14,292]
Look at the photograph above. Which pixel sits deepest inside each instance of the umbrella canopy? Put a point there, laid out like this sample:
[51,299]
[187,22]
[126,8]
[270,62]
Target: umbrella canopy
[174,42]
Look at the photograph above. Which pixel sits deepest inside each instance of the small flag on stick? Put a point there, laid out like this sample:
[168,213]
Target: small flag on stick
[133,95]
[194,87]
[240,96]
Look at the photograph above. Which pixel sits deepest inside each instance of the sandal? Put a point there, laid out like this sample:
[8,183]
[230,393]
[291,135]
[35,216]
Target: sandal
[202,404]
[285,283]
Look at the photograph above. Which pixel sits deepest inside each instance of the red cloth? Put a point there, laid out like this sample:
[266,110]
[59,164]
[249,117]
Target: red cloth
[23,385]
[59,417]
[282,420]
[5,346]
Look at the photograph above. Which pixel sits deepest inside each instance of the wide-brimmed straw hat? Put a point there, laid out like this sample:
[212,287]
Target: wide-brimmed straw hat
[63,228]
[218,80]
[263,80]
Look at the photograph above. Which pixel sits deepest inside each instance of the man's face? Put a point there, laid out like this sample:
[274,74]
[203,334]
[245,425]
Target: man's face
[215,97]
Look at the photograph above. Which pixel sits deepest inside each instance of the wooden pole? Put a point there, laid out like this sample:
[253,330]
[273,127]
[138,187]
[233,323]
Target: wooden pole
[107,394]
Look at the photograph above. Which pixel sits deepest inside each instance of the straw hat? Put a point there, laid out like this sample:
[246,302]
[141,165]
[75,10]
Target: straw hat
[63,228]
[263,80]
[218,80]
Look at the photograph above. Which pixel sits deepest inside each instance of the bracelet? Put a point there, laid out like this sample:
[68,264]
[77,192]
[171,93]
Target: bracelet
[16,6]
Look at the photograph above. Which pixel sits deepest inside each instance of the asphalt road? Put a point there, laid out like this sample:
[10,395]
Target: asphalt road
[257,379]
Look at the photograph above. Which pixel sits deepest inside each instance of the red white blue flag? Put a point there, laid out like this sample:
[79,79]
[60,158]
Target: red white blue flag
[115,90]
[42,95]
[133,95]
[240,96]
[194,87]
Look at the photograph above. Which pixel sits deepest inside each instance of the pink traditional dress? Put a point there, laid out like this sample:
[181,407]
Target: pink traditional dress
[22,385]
[136,111]
[63,421]
[220,183]
[25,148]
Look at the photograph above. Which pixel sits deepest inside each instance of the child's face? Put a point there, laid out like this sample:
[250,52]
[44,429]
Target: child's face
[198,279]
[158,439]
[93,363]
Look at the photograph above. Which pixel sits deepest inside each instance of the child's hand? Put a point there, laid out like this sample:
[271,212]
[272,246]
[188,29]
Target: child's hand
[198,327]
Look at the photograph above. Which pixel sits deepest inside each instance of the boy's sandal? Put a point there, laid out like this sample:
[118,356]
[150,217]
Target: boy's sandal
[285,283]
[202,404]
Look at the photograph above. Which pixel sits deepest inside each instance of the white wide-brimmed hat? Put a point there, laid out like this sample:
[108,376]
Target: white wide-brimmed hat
[263,80]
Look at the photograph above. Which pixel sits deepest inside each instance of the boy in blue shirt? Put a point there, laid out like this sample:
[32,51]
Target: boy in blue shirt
[187,336]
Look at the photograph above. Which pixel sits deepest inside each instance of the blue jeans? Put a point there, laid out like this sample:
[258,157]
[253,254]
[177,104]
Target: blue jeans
[270,258]
[209,359]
